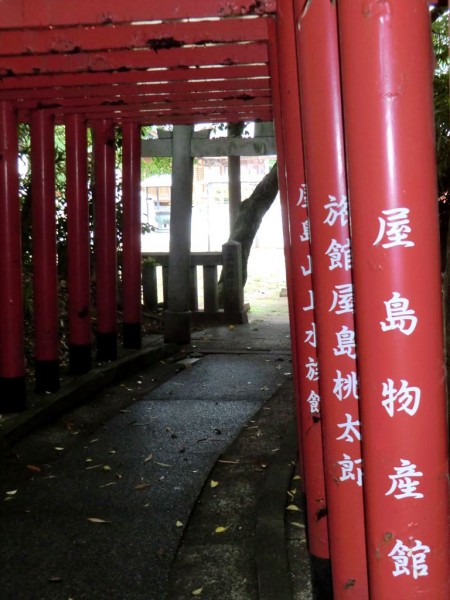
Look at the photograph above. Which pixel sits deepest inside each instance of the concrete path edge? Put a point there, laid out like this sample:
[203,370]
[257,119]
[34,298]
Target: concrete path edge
[79,391]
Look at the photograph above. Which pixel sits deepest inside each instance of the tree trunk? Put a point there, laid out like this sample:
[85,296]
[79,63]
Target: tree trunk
[250,215]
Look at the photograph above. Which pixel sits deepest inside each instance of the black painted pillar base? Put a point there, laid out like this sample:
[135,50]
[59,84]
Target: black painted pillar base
[106,347]
[321,578]
[47,376]
[132,336]
[177,327]
[80,360]
[13,395]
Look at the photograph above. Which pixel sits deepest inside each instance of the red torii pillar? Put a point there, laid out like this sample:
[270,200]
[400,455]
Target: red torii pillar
[131,222]
[288,131]
[78,250]
[333,293]
[387,71]
[45,273]
[12,363]
[105,244]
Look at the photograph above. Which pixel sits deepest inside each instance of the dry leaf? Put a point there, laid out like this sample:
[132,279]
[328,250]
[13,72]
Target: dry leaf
[297,477]
[11,493]
[106,468]
[34,468]
[179,524]
[97,520]
[142,486]
[149,458]
[214,484]
[220,529]
[292,507]
[197,592]
[59,448]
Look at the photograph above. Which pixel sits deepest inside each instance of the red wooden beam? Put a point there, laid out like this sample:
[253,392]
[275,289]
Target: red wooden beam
[191,73]
[231,116]
[161,90]
[156,37]
[17,14]
[153,111]
[154,103]
[223,54]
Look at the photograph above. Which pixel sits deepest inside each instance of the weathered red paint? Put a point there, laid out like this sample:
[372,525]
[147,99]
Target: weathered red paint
[78,259]
[131,231]
[154,102]
[105,243]
[12,366]
[333,292]
[42,13]
[221,54]
[310,433]
[388,109]
[85,79]
[156,37]
[168,90]
[45,276]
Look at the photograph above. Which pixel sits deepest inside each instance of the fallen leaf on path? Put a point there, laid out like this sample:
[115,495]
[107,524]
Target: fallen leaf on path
[162,464]
[142,486]
[298,524]
[220,529]
[292,507]
[213,483]
[197,592]
[106,468]
[296,478]
[97,520]
[179,524]
[59,448]
[11,493]
[149,458]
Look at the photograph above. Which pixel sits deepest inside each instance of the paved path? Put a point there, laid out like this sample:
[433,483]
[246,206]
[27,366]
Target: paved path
[96,504]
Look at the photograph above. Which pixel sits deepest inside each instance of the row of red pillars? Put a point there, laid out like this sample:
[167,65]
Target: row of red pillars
[358,184]
[79,273]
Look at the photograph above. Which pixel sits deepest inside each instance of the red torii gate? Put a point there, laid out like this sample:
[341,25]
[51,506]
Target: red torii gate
[363,155]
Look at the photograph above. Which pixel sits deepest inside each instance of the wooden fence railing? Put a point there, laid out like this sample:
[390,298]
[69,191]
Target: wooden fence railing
[204,281]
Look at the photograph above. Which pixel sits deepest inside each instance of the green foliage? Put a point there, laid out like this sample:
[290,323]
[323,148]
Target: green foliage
[442,99]
[158,165]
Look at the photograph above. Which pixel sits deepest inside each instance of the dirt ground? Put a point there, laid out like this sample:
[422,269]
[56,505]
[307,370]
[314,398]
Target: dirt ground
[266,285]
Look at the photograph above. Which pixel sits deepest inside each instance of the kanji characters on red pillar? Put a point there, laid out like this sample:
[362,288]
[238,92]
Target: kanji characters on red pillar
[288,129]
[332,295]
[388,111]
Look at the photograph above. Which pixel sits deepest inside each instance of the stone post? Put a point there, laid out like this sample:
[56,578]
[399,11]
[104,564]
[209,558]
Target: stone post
[177,326]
